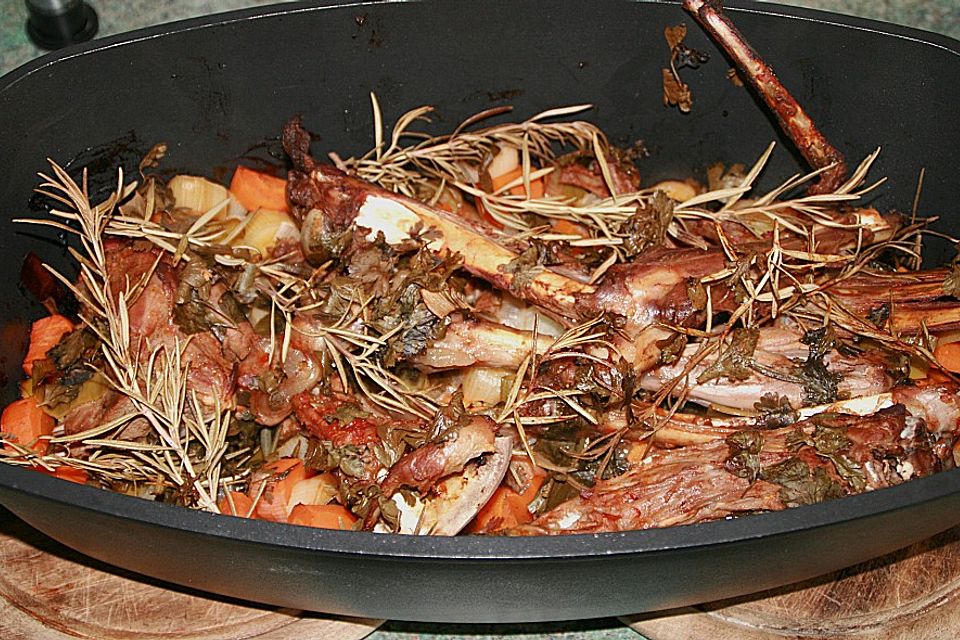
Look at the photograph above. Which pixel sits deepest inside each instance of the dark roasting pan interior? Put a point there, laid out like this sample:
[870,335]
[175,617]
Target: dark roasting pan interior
[219,88]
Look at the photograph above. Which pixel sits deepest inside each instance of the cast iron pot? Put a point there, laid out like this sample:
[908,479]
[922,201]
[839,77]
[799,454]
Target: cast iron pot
[215,87]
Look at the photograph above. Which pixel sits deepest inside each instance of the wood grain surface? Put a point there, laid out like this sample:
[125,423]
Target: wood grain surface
[912,594]
[51,593]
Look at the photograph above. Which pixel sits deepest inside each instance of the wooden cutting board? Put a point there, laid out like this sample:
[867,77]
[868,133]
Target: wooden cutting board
[48,592]
[913,594]
[51,593]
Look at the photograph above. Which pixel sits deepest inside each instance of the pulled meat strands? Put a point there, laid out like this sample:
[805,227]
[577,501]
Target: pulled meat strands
[684,429]
[689,485]
[794,121]
[938,404]
[151,318]
[903,301]
[649,292]
[705,481]
[778,350]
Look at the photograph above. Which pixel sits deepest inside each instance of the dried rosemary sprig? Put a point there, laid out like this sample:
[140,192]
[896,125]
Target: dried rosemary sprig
[189,441]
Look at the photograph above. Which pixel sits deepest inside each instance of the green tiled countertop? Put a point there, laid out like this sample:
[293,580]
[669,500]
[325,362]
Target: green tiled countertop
[116,16]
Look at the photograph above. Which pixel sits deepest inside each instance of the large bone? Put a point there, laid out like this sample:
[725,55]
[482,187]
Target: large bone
[794,121]
[477,342]
[349,199]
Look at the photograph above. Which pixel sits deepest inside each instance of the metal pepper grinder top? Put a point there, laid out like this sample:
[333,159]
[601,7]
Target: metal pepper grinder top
[53,24]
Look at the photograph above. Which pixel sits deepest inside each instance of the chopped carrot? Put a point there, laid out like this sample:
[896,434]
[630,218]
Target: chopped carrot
[568,228]
[25,421]
[70,474]
[948,355]
[536,186]
[506,508]
[256,190]
[324,516]
[499,513]
[237,504]
[274,503]
[485,215]
[44,335]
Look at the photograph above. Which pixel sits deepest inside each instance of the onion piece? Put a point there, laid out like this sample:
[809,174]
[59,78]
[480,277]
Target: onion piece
[266,228]
[199,194]
[517,314]
[320,489]
[482,386]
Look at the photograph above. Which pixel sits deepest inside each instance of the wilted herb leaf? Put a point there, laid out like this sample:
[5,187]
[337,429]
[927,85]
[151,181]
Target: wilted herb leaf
[324,456]
[676,93]
[697,293]
[820,385]
[878,316]
[831,442]
[671,348]
[951,284]
[744,458]
[675,35]
[800,486]
[524,268]
[153,157]
[648,226]
[735,362]
[775,412]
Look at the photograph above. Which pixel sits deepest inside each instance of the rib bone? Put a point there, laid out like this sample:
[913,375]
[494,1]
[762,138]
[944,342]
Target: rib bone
[794,121]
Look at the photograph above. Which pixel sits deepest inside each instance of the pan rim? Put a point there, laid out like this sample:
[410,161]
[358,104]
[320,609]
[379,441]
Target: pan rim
[474,548]
[485,548]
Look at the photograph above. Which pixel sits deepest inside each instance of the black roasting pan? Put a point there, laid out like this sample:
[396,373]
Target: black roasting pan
[217,89]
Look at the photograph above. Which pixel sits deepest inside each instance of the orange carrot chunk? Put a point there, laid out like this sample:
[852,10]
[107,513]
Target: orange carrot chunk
[498,514]
[323,516]
[24,421]
[256,190]
[507,508]
[948,355]
[536,186]
[44,335]
[237,504]
[274,503]
[70,474]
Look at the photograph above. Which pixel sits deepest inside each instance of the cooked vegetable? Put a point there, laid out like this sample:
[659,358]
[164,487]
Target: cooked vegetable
[323,516]
[948,356]
[256,190]
[70,474]
[359,349]
[45,333]
[274,492]
[198,194]
[507,509]
[266,228]
[24,422]
[234,503]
